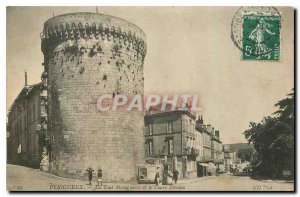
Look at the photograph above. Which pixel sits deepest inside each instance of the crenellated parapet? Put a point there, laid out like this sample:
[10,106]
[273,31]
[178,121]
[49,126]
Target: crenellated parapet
[76,26]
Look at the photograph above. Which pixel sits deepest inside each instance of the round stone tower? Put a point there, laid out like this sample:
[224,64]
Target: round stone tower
[87,55]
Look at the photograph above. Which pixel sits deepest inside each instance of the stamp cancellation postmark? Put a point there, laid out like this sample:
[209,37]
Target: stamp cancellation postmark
[256,32]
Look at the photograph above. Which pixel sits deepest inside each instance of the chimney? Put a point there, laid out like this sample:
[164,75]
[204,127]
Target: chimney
[209,128]
[25,78]
[213,131]
[201,120]
[217,133]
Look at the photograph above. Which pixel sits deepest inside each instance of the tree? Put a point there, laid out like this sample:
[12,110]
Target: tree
[273,140]
[245,154]
[286,109]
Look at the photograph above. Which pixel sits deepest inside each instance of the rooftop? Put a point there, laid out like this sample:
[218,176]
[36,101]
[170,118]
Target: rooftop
[24,93]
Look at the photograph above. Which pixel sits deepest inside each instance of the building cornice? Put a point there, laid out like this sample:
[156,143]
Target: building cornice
[170,113]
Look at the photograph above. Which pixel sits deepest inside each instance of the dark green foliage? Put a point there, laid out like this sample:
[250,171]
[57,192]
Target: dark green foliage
[81,51]
[72,50]
[116,48]
[286,110]
[245,154]
[44,142]
[273,139]
[118,64]
[99,49]
[81,70]
[92,53]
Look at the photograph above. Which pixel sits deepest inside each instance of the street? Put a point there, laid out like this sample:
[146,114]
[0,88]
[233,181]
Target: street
[27,179]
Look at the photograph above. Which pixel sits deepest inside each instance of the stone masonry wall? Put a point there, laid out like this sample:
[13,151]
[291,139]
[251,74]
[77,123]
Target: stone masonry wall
[88,55]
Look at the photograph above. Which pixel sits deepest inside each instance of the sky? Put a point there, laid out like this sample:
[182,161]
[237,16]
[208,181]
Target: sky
[189,51]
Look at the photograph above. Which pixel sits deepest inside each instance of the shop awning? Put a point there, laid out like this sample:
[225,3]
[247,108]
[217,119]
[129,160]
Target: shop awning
[203,164]
[212,165]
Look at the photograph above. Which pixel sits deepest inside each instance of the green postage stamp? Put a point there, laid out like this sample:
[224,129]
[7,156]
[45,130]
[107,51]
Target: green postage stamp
[261,37]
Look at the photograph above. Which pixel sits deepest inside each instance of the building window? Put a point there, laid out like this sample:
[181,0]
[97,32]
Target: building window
[170,146]
[25,119]
[150,147]
[169,127]
[187,141]
[29,115]
[32,113]
[20,128]
[150,127]
[186,125]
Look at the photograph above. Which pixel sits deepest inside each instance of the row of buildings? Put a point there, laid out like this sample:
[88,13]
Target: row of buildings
[186,144]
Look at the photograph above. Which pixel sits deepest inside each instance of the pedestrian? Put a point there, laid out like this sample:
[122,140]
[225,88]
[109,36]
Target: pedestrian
[156,179]
[99,176]
[218,171]
[175,175]
[251,171]
[165,175]
[90,171]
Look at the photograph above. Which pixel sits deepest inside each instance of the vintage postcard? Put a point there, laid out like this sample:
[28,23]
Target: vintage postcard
[150,99]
